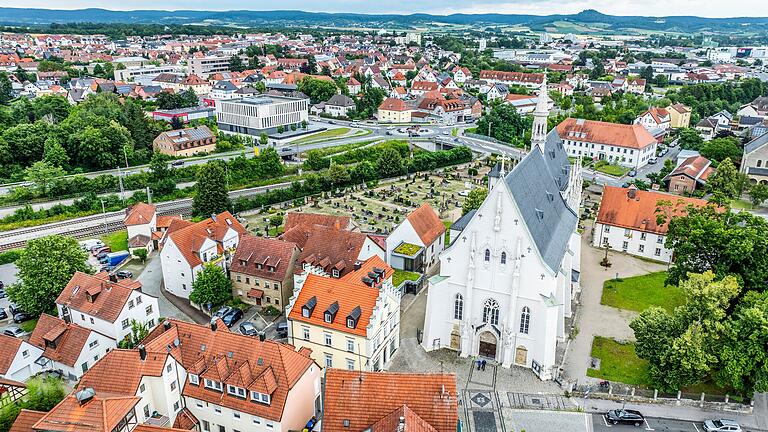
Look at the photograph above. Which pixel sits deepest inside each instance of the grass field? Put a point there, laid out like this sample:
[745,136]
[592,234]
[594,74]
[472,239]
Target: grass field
[117,241]
[618,362]
[326,134]
[447,239]
[614,170]
[641,292]
[28,325]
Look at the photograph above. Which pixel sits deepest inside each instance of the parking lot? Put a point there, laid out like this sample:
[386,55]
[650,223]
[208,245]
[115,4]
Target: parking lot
[8,277]
[651,424]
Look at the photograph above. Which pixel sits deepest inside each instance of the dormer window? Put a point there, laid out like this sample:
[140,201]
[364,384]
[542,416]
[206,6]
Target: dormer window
[309,307]
[330,313]
[236,391]
[260,397]
[194,379]
[335,273]
[213,385]
[353,318]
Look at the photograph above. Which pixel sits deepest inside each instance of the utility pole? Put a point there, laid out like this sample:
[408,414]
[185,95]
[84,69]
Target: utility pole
[489,129]
[104,210]
[125,154]
[120,181]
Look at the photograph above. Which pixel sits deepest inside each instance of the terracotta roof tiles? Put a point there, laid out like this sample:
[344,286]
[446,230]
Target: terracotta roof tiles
[100,414]
[190,237]
[140,214]
[25,420]
[632,136]
[426,223]
[301,218]
[102,377]
[65,341]
[110,297]
[10,346]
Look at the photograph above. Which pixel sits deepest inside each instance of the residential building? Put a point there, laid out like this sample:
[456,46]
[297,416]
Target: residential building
[530,80]
[145,228]
[626,145]
[679,116]
[130,73]
[105,304]
[689,175]
[186,142]
[351,322]
[440,110]
[262,271]
[417,242]
[68,348]
[188,246]
[525,104]
[204,66]
[627,221]
[339,105]
[710,126]
[394,110]
[505,285]
[655,118]
[414,401]
[636,86]
[754,163]
[185,115]
[260,114]
[224,89]
[18,359]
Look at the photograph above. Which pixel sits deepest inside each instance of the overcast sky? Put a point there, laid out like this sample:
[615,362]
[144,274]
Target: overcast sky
[707,8]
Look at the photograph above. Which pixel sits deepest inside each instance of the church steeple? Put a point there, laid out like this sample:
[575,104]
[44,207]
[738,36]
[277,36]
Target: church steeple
[539,133]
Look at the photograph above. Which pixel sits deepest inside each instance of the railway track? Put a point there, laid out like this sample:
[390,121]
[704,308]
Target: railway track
[88,226]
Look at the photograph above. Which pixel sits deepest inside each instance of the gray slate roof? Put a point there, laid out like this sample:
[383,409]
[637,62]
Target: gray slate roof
[463,221]
[537,194]
[756,143]
[558,164]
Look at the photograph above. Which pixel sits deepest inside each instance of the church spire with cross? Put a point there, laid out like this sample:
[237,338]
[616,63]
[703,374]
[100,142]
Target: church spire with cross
[539,133]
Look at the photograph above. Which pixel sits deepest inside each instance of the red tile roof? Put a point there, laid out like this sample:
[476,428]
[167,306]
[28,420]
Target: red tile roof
[100,414]
[65,341]
[426,223]
[325,247]
[393,104]
[618,209]
[369,398]
[267,253]
[140,214]
[267,367]
[102,377]
[10,346]
[110,297]
[423,85]
[185,420]
[191,237]
[152,428]
[402,419]
[516,77]
[301,218]
[632,136]
[25,420]
[695,167]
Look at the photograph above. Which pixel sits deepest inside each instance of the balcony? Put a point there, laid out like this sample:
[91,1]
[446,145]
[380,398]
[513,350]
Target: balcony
[158,420]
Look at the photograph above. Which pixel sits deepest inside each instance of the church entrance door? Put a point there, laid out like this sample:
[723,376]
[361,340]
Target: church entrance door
[487,345]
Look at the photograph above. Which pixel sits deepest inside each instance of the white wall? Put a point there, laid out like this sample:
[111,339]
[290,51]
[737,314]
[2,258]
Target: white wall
[633,158]
[634,240]
[145,310]
[23,364]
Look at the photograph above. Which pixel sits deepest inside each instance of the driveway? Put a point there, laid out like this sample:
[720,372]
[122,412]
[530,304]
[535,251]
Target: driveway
[8,277]
[595,319]
[151,280]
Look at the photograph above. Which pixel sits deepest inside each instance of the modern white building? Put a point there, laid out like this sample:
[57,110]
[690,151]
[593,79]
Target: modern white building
[105,304]
[627,145]
[254,115]
[506,283]
[130,73]
[627,221]
[417,242]
[204,66]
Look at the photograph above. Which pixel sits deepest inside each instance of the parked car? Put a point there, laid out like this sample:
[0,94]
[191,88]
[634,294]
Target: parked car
[102,250]
[221,312]
[21,316]
[177,163]
[124,274]
[95,246]
[13,331]
[282,329]
[464,192]
[13,309]
[107,268]
[721,425]
[652,160]
[3,314]
[624,416]
[247,328]
[632,173]
[102,256]
[232,316]
[2,293]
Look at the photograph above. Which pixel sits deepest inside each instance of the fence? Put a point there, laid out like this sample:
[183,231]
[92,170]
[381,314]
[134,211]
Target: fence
[618,391]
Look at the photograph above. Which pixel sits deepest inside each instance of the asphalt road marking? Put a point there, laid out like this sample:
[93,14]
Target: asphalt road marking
[695,427]
[605,421]
[647,426]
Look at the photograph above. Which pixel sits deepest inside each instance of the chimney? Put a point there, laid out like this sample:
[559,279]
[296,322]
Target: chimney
[166,325]
[113,278]
[358,264]
[262,336]
[142,352]
[213,324]
[632,192]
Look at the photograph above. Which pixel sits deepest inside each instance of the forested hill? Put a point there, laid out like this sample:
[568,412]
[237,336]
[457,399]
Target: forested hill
[683,24]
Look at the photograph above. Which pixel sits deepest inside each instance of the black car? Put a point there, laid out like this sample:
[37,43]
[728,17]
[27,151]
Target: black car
[624,416]
[21,316]
[13,309]
[282,329]
[3,314]
[124,274]
[232,316]
[2,293]
[221,312]
[247,328]
[177,163]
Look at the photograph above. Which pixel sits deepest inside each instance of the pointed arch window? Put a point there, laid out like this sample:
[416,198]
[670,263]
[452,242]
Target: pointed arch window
[503,257]
[491,312]
[458,307]
[487,255]
[525,320]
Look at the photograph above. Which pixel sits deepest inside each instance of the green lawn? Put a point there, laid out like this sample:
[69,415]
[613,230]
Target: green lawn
[326,134]
[641,292]
[401,276]
[618,362]
[610,169]
[447,239]
[117,241]
[28,325]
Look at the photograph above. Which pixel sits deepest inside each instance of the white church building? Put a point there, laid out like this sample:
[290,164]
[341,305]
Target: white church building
[506,283]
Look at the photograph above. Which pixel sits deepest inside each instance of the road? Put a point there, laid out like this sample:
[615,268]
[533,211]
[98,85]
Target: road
[651,424]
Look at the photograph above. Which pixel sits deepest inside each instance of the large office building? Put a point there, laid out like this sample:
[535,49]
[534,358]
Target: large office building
[254,115]
[130,73]
[205,66]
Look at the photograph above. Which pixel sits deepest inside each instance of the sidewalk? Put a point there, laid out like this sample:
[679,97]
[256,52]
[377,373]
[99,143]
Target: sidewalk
[750,422]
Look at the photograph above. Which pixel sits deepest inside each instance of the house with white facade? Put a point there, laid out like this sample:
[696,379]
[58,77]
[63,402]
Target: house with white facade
[105,304]
[188,246]
[627,221]
[68,348]
[654,118]
[417,242]
[627,145]
[506,283]
[18,359]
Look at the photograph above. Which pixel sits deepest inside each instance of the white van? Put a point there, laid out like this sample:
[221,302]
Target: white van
[90,244]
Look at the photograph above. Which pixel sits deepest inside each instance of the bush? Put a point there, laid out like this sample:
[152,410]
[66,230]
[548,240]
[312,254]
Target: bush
[9,256]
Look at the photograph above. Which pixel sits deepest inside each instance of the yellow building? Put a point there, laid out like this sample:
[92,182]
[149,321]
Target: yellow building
[349,323]
[679,116]
[186,142]
[394,110]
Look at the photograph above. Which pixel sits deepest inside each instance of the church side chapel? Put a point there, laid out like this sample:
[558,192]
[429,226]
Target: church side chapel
[506,283]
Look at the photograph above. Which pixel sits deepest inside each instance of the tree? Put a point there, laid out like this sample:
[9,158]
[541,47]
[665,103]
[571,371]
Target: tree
[139,330]
[362,172]
[598,71]
[43,393]
[275,220]
[719,149]
[304,124]
[54,153]
[41,173]
[338,174]
[318,90]
[315,161]
[236,64]
[689,139]
[474,199]
[726,184]
[6,89]
[211,287]
[647,73]
[743,358]
[369,103]
[389,163]
[263,139]
[505,124]
[141,254]
[45,267]
[161,179]
[280,129]
[661,80]
[211,195]
[758,193]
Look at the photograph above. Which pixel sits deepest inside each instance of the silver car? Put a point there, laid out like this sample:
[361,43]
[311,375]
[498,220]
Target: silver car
[721,425]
